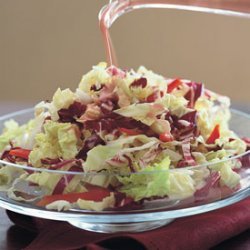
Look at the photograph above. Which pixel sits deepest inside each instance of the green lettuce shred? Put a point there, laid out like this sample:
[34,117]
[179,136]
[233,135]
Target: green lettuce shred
[97,156]
[149,182]
[181,184]
[228,177]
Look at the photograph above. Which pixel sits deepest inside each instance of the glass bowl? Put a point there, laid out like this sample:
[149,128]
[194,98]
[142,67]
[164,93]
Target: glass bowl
[151,213]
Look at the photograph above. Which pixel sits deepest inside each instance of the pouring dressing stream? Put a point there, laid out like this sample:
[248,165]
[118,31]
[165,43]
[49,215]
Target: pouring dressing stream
[117,8]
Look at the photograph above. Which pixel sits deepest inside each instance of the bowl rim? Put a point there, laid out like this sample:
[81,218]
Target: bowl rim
[122,216]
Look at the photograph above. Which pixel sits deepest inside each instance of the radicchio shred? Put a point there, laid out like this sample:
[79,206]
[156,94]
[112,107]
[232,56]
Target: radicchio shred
[195,91]
[70,114]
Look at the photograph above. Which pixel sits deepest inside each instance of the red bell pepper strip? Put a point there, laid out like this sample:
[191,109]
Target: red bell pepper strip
[129,131]
[173,85]
[93,194]
[166,137]
[20,152]
[214,135]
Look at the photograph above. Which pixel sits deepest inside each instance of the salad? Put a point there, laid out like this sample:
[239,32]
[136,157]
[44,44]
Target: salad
[133,136]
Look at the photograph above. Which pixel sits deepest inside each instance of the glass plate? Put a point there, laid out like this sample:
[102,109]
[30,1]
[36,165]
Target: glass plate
[152,214]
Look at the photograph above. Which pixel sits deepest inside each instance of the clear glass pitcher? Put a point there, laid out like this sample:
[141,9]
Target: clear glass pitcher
[225,7]
[226,65]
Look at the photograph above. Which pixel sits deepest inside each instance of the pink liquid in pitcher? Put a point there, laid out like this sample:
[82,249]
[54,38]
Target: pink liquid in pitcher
[117,8]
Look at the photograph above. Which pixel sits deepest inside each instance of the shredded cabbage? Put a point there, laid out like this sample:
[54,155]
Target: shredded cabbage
[152,181]
[12,131]
[144,112]
[59,140]
[125,129]
[181,184]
